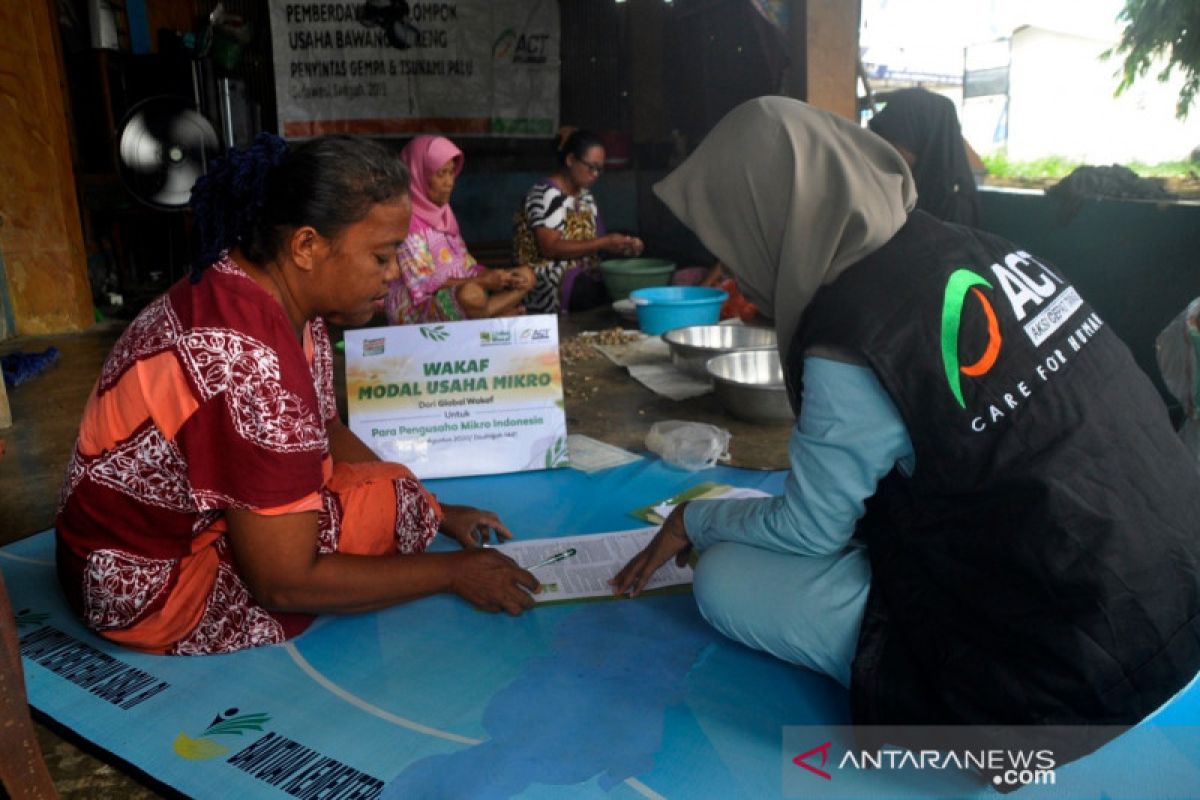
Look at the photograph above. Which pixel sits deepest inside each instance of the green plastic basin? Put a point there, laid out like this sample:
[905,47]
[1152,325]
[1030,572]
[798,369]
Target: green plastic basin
[623,275]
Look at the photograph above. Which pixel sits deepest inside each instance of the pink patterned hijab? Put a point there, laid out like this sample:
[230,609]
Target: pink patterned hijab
[424,156]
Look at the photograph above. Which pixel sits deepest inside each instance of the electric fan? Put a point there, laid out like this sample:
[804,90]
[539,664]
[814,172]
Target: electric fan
[164,145]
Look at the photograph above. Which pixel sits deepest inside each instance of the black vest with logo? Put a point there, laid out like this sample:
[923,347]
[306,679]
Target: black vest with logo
[1042,563]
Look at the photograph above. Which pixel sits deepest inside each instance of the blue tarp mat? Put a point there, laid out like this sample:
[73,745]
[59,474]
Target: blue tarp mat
[625,699]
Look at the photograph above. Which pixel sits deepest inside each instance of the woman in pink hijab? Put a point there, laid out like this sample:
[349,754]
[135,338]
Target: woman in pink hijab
[439,280]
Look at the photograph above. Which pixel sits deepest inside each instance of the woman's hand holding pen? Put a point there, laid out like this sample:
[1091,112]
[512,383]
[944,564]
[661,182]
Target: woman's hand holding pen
[486,578]
[671,540]
[472,527]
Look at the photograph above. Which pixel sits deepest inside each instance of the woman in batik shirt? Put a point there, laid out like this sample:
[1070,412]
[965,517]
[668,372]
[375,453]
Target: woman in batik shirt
[215,501]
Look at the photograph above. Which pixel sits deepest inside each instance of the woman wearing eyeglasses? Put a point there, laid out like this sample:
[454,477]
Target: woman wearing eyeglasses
[558,230]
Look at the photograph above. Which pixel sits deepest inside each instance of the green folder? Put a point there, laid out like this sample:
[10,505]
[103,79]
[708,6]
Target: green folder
[697,492]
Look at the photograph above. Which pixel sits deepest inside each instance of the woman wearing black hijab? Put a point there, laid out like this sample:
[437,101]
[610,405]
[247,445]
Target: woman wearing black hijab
[924,128]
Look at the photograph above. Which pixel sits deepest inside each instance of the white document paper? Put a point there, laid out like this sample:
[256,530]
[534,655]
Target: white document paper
[648,361]
[598,557]
[669,381]
[644,350]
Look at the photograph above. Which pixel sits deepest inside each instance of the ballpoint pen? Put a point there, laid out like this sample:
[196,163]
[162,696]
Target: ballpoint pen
[480,537]
[554,559]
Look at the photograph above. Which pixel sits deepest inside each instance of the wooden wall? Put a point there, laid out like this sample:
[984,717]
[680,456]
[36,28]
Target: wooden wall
[40,238]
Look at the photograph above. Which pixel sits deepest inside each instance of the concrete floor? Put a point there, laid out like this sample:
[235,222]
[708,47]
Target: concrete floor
[602,401]
[46,412]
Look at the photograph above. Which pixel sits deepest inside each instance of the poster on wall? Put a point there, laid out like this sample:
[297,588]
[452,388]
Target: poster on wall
[391,67]
[477,397]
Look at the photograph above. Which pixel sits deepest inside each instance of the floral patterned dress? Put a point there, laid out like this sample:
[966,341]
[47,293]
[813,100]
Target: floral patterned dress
[428,258]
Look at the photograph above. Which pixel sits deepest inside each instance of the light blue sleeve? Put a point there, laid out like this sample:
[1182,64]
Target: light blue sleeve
[848,437]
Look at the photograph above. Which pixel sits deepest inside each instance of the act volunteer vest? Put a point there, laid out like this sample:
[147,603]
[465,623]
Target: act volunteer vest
[1042,563]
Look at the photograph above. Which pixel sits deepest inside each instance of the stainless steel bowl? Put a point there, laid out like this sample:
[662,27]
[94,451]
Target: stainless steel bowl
[750,385]
[692,347]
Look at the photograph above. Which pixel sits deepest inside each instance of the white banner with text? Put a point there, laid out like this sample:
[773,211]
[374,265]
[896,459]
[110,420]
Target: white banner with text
[460,398]
[389,67]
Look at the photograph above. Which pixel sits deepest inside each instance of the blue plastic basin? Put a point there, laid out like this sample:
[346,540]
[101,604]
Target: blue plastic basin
[663,308]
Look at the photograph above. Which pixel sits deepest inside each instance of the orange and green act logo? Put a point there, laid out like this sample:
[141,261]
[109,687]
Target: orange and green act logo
[962,282]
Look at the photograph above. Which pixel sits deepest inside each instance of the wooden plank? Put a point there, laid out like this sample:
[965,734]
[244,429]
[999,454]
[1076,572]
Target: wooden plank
[5,412]
[831,55]
[41,237]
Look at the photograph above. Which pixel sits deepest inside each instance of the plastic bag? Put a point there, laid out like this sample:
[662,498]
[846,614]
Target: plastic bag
[1178,351]
[688,445]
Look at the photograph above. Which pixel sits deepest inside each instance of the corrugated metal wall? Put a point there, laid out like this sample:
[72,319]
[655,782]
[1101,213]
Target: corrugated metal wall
[594,64]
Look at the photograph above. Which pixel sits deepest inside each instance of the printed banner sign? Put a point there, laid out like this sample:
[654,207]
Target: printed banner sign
[390,67]
[460,398]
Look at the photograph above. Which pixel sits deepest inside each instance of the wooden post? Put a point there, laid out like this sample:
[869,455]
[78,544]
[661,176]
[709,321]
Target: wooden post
[5,411]
[823,38]
[44,257]
[22,769]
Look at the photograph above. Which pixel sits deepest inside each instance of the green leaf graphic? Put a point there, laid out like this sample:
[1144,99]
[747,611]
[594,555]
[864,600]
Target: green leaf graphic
[556,454]
[435,333]
[235,726]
